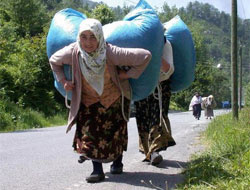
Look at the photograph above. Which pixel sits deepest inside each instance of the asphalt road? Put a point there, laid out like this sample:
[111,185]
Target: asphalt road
[43,159]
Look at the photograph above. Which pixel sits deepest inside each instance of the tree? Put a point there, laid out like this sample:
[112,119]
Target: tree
[103,13]
[28,16]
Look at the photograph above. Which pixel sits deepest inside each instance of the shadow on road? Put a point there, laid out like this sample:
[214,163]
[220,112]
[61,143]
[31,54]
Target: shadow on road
[146,179]
[172,164]
[151,180]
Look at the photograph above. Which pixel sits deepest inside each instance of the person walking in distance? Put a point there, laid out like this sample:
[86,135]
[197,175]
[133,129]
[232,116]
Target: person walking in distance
[195,105]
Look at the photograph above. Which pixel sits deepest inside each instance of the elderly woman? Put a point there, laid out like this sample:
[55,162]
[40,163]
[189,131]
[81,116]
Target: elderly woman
[100,95]
[209,104]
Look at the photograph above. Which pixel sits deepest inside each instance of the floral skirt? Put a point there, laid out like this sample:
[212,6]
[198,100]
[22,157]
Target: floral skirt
[101,133]
[152,136]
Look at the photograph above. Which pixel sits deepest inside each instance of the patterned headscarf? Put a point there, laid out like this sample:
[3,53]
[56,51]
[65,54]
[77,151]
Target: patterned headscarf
[93,65]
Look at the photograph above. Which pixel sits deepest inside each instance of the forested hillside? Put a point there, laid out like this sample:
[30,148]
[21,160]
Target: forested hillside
[25,76]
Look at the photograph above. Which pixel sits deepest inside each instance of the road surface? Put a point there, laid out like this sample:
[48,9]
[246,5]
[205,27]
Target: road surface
[43,159]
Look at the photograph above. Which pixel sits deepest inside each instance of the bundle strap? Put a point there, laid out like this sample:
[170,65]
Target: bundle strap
[158,96]
[73,80]
[120,86]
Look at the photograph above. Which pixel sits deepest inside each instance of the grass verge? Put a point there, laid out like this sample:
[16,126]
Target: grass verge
[14,118]
[225,164]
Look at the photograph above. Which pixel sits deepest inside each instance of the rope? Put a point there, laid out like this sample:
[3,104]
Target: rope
[73,81]
[123,113]
[159,88]
[159,97]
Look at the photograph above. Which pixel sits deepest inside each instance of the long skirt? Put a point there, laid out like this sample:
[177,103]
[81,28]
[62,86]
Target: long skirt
[209,112]
[101,133]
[154,137]
[197,111]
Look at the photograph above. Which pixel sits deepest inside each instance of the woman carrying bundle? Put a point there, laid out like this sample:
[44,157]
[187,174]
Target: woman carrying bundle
[152,114]
[100,95]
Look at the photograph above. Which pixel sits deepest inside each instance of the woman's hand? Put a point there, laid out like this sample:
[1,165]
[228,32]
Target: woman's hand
[123,75]
[68,85]
[164,65]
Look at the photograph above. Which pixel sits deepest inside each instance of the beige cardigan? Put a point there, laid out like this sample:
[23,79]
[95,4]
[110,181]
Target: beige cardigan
[136,58]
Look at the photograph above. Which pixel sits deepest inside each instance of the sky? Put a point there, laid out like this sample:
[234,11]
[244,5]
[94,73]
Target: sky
[221,5]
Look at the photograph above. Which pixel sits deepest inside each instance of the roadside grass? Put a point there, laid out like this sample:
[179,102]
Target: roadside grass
[225,164]
[175,107]
[14,118]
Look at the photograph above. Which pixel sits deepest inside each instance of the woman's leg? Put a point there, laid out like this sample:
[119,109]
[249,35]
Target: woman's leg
[143,122]
[199,111]
[97,175]
[117,166]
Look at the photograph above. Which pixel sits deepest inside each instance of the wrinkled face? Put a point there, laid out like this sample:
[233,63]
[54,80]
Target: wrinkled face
[88,41]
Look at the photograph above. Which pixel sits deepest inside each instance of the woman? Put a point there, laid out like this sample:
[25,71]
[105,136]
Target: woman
[195,105]
[209,105]
[100,95]
[155,130]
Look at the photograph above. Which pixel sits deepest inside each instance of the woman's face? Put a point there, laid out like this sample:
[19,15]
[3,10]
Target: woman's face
[88,41]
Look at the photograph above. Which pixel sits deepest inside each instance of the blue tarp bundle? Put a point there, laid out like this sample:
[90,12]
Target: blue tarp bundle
[181,40]
[141,28]
[62,32]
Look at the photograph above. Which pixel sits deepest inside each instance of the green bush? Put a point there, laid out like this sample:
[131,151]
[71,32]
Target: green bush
[14,118]
[26,78]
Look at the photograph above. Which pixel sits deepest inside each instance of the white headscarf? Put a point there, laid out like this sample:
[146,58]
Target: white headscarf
[93,65]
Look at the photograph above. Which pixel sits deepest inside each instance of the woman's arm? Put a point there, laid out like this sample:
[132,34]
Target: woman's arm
[136,58]
[60,57]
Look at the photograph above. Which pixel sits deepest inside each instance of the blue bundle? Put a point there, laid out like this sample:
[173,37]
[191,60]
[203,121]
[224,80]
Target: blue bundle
[181,40]
[62,32]
[141,28]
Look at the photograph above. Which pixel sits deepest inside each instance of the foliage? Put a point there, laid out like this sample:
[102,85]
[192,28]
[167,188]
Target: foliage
[120,13]
[28,16]
[28,80]
[14,118]
[103,13]
[225,163]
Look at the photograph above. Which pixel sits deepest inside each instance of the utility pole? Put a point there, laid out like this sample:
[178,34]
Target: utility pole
[240,77]
[234,93]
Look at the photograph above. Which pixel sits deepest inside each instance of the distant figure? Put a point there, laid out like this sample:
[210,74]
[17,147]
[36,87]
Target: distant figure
[195,105]
[208,104]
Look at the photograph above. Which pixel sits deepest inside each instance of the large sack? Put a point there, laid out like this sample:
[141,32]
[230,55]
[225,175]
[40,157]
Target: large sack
[63,31]
[181,40]
[141,28]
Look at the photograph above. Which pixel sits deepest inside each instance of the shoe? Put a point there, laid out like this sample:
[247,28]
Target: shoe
[155,158]
[117,166]
[81,159]
[95,178]
[116,169]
